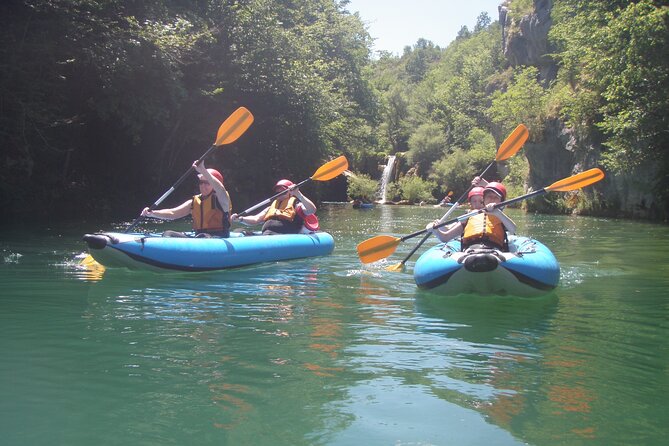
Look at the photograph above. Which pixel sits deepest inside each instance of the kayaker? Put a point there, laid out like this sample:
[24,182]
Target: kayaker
[445,201]
[475,198]
[488,228]
[290,213]
[210,209]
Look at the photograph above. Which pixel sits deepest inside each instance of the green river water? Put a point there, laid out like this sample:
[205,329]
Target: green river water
[326,351]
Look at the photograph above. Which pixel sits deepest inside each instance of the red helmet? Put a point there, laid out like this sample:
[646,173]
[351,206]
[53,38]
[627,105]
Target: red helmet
[286,184]
[214,173]
[498,188]
[475,191]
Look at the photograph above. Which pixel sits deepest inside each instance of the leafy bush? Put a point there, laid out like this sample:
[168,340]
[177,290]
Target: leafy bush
[524,101]
[456,170]
[520,8]
[414,189]
[426,145]
[453,172]
[362,187]
[515,181]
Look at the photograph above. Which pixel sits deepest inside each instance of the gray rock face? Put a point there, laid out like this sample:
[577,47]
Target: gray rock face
[526,42]
[559,151]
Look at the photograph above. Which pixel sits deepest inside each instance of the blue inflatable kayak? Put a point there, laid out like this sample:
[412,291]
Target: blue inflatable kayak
[529,269]
[153,252]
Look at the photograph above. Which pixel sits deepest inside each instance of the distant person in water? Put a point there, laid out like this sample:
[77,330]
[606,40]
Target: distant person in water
[445,201]
[290,213]
[210,209]
[487,229]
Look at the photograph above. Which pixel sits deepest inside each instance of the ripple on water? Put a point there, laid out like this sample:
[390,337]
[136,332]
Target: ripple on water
[572,275]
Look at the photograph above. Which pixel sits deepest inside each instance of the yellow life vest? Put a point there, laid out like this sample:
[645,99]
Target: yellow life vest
[208,215]
[484,228]
[282,210]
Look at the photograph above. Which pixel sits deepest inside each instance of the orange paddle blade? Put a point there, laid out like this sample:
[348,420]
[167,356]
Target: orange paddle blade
[577,181]
[233,127]
[377,248]
[397,267]
[88,260]
[331,169]
[512,143]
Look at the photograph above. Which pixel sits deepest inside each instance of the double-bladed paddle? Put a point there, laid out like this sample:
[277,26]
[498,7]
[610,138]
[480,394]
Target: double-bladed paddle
[506,150]
[231,129]
[326,172]
[381,246]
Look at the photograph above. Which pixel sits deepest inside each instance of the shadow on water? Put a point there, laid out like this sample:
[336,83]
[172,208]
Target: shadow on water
[492,347]
[488,319]
[250,351]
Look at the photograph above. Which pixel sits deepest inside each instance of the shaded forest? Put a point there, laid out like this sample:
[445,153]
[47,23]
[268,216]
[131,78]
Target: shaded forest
[104,103]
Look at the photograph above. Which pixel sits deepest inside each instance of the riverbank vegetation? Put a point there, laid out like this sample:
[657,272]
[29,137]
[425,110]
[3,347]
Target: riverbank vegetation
[104,103]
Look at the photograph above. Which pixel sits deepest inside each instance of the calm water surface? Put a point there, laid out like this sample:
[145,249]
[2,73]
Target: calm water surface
[327,351]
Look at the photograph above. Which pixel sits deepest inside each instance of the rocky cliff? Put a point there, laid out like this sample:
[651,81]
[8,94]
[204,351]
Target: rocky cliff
[559,152]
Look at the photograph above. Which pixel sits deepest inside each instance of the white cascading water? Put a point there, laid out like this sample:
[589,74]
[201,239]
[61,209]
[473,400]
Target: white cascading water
[385,178]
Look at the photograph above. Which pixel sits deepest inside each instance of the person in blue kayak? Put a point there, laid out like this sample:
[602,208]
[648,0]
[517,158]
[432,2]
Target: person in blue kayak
[290,213]
[210,208]
[446,200]
[487,229]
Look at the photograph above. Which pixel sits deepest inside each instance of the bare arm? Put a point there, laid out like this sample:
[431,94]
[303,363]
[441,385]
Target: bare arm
[509,224]
[250,219]
[183,210]
[221,193]
[445,233]
[479,181]
[309,206]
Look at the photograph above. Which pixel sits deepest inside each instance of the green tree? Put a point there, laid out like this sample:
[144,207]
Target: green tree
[93,88]
[415,190]
[362,187]
[613,68]
[525,100]
[426,145]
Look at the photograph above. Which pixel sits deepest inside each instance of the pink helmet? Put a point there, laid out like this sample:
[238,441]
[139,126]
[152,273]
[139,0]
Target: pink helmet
[214,173]
[474,192]
[286,184]
[498,188]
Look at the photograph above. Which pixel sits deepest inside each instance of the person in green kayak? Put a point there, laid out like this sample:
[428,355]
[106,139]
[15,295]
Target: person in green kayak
[290,213]
[210,209]
[487,229]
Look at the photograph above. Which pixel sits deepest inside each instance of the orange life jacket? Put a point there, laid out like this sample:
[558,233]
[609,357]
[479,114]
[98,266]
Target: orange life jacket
[208,215]
[282,210]
[485,229]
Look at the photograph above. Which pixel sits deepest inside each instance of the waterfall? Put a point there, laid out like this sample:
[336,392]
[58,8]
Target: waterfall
[385,178]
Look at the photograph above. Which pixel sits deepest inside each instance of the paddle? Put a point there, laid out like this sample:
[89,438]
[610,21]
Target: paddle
[506,150]
[231,129]
[381,246]
[326,172]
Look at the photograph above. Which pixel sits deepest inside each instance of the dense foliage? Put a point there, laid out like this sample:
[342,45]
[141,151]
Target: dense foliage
[615,75]
[104,103]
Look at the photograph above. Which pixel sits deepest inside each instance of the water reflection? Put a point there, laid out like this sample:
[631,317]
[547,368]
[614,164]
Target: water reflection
[259,351]
[328,351]
[491,346]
